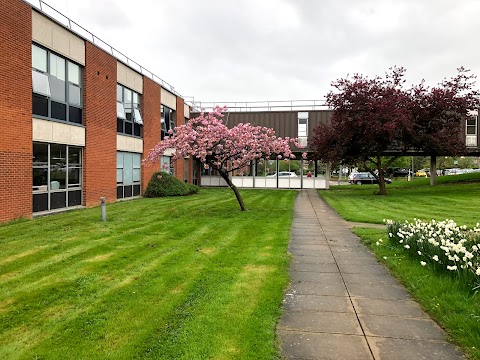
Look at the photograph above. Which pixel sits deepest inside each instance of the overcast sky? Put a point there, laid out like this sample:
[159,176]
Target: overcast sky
[230,50]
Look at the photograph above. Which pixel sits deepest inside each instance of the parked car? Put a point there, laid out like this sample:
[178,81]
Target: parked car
[284,174]
[398,172]
[422,173]
[365,178]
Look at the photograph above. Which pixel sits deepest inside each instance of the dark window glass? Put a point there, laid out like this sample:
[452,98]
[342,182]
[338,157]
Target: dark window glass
[74,177]
[119,192]
[40,179]
[127,191]
[120,125]
[75,115]
[75,198]
[40,154]
[59,111]
[40,202]
[136,190]
[136,130]
[74,156]
[128,128]
[470,130]
[39,105]
[58,200]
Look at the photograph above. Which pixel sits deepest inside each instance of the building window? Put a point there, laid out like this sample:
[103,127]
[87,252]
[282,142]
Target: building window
[57,87]
[167,116]
[166,165]
[302,128]
[471,131]
[129,116]
[57,176]
[128,175]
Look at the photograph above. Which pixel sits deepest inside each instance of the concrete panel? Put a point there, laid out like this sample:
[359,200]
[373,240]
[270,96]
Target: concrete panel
[129,144]
[57,38]
[41,130]
[54,132]
[168,99]
[129,78]
[186,111]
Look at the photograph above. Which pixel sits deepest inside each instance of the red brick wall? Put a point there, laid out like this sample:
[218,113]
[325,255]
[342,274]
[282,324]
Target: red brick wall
[179,120]
[151,126]
[15,110]
[100,159]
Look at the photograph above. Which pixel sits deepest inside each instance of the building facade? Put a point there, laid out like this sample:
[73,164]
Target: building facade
[76,120]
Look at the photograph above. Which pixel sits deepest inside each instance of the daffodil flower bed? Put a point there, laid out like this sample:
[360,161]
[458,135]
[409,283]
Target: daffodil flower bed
[441,245]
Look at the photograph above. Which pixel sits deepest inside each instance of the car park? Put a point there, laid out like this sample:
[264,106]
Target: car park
[361,178]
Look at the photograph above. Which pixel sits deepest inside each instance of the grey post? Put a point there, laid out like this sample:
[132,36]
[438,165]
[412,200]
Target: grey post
[103,208]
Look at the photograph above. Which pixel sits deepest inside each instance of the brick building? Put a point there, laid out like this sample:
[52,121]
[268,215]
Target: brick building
[76,120]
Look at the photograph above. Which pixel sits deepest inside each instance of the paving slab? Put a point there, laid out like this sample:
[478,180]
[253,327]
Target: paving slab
[321,322]
[319,268]
[363,269]
[388,307]
[322,278]
[324,346]
[401,328]
[378,291]
[315,288]
[404,349]
[317,303]
[307,259]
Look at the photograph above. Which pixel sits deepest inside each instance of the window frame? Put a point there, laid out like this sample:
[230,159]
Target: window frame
[48,189]
[135,186]
[129,125]
[167,119]
[66,107]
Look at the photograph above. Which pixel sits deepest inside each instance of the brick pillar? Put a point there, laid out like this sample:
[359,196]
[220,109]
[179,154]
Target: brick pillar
[15,110]
[151,126]
[180,120]
[100,157]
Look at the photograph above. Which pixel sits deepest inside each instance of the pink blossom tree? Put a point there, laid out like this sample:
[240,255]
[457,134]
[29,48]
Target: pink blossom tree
[207,139]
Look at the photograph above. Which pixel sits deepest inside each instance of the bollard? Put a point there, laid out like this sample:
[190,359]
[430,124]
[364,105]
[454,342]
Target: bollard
[103,208]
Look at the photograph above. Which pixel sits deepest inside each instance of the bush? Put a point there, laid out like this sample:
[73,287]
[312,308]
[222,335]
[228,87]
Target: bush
[162,184]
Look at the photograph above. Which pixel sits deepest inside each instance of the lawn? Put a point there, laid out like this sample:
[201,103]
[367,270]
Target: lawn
[451,199]
[183,278]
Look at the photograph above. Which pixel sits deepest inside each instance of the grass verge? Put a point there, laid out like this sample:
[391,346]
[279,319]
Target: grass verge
[169,278]
[455,199]
[454,306]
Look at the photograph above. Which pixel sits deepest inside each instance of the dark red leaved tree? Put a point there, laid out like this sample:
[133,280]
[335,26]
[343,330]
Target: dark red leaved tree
[370,117]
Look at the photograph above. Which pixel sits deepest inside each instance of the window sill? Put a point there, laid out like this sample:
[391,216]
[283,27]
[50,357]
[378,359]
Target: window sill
[57,211]
[56,120]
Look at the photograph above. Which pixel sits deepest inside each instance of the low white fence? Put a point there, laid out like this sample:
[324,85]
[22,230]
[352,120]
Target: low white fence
[267,182]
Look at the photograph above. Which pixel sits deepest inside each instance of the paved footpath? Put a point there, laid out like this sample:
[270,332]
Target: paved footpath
[342,303]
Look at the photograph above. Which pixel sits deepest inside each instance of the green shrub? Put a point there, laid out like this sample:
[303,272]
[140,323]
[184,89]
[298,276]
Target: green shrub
[162,184]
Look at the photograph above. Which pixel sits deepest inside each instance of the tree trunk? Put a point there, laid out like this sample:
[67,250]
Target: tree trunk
[225,177]
[381,177]
[433,170]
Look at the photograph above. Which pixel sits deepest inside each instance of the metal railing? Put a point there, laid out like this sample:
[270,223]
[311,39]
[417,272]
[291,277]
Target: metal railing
[250,106]
[64,20]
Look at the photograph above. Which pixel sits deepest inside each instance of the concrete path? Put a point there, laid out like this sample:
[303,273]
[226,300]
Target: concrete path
[342,303]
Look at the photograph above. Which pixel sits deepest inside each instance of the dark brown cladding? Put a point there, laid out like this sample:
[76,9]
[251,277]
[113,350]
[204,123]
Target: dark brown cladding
[285,123]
